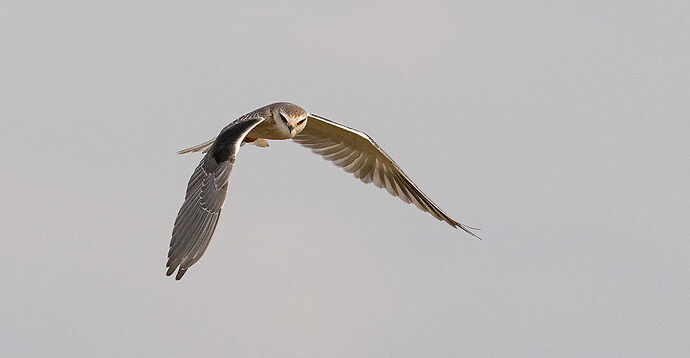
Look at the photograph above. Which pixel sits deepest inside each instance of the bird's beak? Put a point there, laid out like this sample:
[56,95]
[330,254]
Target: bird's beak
[291,127]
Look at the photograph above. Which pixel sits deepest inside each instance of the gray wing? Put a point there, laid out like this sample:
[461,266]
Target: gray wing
[357,153]
[196,221]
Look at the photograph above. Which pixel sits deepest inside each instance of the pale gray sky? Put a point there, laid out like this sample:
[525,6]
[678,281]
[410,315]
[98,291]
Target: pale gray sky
[561,129]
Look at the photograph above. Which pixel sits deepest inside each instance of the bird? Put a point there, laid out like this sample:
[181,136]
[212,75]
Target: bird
[352,150]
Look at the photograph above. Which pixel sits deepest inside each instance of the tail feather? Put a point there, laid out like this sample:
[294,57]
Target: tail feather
[203,147]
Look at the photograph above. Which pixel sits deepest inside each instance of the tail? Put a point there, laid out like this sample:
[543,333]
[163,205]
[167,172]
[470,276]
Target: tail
[203,147]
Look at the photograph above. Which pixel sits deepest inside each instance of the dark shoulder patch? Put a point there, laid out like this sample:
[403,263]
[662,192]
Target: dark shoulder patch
[229,139]
[221,154]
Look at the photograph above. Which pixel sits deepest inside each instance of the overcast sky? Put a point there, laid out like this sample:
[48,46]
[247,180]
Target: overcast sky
[560,129]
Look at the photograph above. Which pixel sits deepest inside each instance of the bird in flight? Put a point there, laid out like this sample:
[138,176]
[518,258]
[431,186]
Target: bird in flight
[348,148]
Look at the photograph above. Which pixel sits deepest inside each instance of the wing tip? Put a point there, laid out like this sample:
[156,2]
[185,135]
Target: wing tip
[172,270]
[180,273]
[467,229]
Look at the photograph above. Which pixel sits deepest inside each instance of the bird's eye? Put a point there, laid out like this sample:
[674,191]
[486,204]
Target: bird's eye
[301,121]
[283,118]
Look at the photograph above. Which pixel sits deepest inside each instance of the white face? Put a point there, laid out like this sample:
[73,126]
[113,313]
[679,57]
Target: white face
[292,124]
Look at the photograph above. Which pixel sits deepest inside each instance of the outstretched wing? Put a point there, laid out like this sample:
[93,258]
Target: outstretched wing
[196,221]
[357,153]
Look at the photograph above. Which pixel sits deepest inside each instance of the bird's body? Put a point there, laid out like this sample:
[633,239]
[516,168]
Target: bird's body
[350,149]
[267,129]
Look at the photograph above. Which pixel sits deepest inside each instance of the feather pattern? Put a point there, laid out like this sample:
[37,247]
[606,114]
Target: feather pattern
[359,154]
[197,219]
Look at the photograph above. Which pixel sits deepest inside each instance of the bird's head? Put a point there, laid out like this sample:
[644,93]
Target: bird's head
[290,118]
